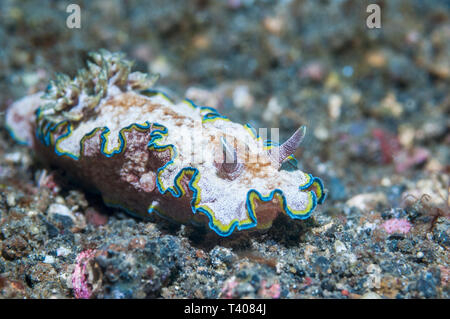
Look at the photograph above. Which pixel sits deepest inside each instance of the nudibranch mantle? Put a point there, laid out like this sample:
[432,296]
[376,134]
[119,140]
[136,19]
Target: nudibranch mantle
[149,155]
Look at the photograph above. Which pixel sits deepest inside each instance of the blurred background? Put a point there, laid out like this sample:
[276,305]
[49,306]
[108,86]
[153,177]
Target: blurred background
[376,103]
[373,99]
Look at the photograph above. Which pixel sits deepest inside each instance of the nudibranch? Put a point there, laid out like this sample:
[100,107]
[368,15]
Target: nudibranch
[154,157]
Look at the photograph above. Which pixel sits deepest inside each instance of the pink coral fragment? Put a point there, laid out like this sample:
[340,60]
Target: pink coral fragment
[396,225]
[228,289]
[272,291]
[81,288]
[404,160]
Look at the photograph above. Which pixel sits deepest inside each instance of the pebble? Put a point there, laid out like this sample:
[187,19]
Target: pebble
[368,201]
[49,259]
[62,251]
[321,132]
[13,158]
[390,106]
[334,106]
[371,295]
[161,66]
[63,218]
[59,209]
[273,110]
[339,247]
[351,258]
[274,25]
[376,59]
[406,135]
[314,71]
[11,199]
[242,99]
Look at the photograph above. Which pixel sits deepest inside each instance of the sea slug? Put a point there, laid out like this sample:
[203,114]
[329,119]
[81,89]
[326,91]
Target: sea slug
[114,134]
